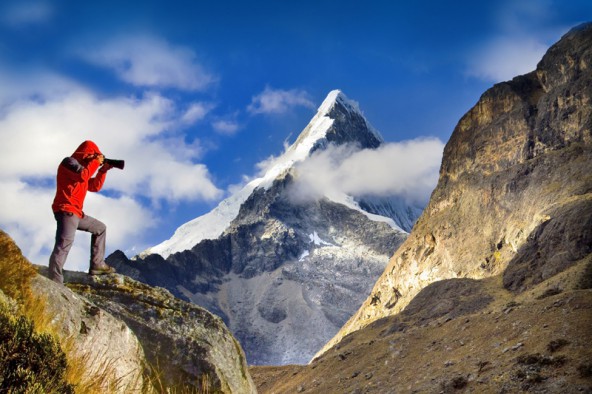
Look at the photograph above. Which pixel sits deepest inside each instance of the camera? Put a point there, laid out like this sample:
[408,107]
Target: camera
[115,163]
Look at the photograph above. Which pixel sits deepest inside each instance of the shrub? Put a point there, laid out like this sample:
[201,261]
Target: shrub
[30,361]
[557,344]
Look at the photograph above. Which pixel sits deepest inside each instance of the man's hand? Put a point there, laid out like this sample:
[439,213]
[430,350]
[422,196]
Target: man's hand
[105,167]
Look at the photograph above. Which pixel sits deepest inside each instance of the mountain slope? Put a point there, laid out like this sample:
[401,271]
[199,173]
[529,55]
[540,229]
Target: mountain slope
[284,273]
[514,194]
[465,336]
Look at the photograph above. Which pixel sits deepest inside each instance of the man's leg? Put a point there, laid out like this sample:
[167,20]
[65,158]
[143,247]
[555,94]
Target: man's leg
[98,232]
[67,223]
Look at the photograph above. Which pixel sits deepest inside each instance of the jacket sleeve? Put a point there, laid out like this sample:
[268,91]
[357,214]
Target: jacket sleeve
[95,184]
[85,173]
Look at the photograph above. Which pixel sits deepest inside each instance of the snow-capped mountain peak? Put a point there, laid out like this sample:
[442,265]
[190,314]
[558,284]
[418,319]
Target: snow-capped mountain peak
[338,120]
[272,264]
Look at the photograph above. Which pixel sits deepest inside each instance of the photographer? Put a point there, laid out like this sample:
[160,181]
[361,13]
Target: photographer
[74,179]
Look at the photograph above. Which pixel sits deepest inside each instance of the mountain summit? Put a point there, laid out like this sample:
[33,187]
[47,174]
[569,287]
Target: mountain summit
[284,273]
[338,121]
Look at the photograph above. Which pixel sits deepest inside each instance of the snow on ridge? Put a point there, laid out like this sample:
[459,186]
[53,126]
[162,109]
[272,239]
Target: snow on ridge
[352,106]
[208,226]
[316,130]
[314,238]
[351,203]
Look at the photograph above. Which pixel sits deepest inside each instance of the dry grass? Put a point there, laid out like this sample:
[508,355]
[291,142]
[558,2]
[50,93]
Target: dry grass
[15,272]
[159,383]
[92,372]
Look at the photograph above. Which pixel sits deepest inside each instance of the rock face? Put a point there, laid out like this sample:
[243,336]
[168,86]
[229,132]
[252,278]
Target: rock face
[108,348]
[284,274]
[187,347]
[514,196]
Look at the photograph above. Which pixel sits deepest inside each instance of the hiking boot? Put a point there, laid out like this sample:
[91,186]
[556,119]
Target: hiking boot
[102,269]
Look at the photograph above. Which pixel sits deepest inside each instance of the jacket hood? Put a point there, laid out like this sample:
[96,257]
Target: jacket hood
[85,149]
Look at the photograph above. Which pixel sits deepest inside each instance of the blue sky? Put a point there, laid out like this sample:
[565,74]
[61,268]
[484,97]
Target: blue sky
[195,94]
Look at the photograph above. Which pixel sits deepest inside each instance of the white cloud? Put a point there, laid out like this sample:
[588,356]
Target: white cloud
[525,30]
[26,13]
[124,128]
[152,62]
[506,57]
[408,169]
[226,126]
[196,112]
[277,101]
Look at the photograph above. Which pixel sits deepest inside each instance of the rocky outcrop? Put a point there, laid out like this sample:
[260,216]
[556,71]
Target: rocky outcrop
[187,347]
[514,196]
[102,344]
[122,336]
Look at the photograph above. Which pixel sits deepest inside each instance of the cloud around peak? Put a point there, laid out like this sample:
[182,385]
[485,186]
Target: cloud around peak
[408,169]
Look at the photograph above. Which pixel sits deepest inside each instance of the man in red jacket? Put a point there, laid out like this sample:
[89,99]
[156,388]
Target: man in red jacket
[74,179]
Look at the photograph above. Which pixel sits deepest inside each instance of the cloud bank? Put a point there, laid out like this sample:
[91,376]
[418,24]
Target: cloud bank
[408,169]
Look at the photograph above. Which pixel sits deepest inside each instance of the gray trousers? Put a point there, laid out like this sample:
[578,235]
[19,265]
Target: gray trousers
[67,224]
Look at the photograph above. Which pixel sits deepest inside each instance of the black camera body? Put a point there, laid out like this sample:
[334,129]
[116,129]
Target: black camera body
[115,163]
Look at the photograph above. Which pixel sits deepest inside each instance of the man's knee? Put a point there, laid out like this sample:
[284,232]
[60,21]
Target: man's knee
[99,228]
[93,226]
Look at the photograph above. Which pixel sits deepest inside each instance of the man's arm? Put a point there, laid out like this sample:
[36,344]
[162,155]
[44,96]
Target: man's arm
[85,173]
[95,184]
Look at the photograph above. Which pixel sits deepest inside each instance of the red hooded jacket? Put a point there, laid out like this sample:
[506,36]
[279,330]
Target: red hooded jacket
[74,179]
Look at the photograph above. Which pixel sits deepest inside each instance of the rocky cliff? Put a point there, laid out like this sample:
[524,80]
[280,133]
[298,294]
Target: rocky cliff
[492,291]
[124,336]
[187,347]
[285,274]
[514,196]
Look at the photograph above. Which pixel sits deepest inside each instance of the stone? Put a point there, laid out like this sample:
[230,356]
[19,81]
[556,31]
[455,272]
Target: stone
[105,346]
[188,346]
